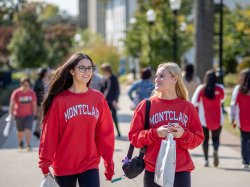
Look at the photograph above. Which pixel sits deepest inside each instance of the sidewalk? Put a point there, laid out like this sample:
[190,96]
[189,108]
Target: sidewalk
[20,168]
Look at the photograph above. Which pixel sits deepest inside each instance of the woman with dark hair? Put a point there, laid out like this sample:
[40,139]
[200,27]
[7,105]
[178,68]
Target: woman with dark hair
[190,80]
[142,88]
[77,127]
[111,91]
[208,99]
[41,89]
[240,113]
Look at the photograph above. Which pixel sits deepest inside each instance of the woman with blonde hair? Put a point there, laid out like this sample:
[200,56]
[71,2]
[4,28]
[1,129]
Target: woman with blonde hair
[169,105]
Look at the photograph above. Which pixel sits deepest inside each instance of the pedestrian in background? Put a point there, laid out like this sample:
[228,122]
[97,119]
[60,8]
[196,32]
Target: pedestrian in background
[190,80]
[208,99]
[77,127]
[96,81]
[41,89]
[111,91]
[240,113]
[23,108]
[142,88]
[169,105]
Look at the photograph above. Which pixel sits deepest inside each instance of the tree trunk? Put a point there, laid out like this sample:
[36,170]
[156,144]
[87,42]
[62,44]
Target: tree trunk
[204,24]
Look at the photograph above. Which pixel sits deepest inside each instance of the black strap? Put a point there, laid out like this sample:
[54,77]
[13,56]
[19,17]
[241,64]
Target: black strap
[146,126]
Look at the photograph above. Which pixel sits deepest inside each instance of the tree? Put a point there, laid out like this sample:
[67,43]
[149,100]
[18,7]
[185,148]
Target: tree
[237,37]
[94,45]
[26,47]
[50,16]
[6,35]
[59,40]
[157,43]
[204,43]
[7,11]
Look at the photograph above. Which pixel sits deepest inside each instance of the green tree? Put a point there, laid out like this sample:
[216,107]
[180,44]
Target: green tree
[94,45]
[236,37]
[50,15]
[155,42]
[7,10]
[27,44]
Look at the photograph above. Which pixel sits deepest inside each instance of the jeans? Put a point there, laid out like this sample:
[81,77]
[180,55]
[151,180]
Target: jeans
[182,179]
[215,139]
[89,178]
[245,146]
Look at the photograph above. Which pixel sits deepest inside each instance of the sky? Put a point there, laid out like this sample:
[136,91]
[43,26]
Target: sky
[71,6]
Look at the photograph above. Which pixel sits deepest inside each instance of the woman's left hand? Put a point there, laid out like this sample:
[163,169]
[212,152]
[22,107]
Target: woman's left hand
[176,130]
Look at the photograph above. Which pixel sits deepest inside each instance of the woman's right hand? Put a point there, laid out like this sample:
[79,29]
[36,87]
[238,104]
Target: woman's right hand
[162,132]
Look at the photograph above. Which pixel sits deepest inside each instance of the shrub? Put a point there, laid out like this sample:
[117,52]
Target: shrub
[103,53]
[244,64]
[230,80]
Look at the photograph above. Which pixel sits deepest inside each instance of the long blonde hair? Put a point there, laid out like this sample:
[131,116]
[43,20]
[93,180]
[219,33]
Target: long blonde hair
[175,71]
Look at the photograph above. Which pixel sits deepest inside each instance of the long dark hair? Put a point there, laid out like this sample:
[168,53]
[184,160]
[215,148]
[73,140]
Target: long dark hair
[245,81]
[189,72]
[62,79]
[42,73]
[210,82]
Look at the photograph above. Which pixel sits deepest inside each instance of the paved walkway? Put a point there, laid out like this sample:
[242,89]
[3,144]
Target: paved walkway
[20,168]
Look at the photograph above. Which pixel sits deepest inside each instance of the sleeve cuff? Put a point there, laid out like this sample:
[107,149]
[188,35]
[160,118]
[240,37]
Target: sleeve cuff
[109,176]
[45,170]
[184,135]
[154,133]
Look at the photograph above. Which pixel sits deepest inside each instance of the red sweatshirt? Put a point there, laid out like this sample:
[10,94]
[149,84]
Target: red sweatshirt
[239,109]
[77,131]
[23,102]
[210,110]
[161,113]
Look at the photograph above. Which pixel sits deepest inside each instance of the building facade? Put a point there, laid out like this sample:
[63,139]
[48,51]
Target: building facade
[109,18]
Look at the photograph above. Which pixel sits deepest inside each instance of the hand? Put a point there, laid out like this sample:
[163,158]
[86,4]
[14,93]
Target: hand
[46,175]
[234,125]
[108,176]
[162,131]
[115,105]
[176,130]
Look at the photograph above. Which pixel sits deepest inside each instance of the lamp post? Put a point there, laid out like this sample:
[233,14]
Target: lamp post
[175,5]
[220,74]
[132,61]
[151,17]
[78,41]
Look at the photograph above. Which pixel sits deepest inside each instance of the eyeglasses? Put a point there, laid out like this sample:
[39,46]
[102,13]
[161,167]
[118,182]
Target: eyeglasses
[83,69]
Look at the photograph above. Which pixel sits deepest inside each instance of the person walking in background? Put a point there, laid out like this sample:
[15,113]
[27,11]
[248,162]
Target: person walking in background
[208,99]
[169,105]
[41,89]
[111,91]
[240,113]
[77,127]
[190,80]
[23,108]
[96,81]
[142,88]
